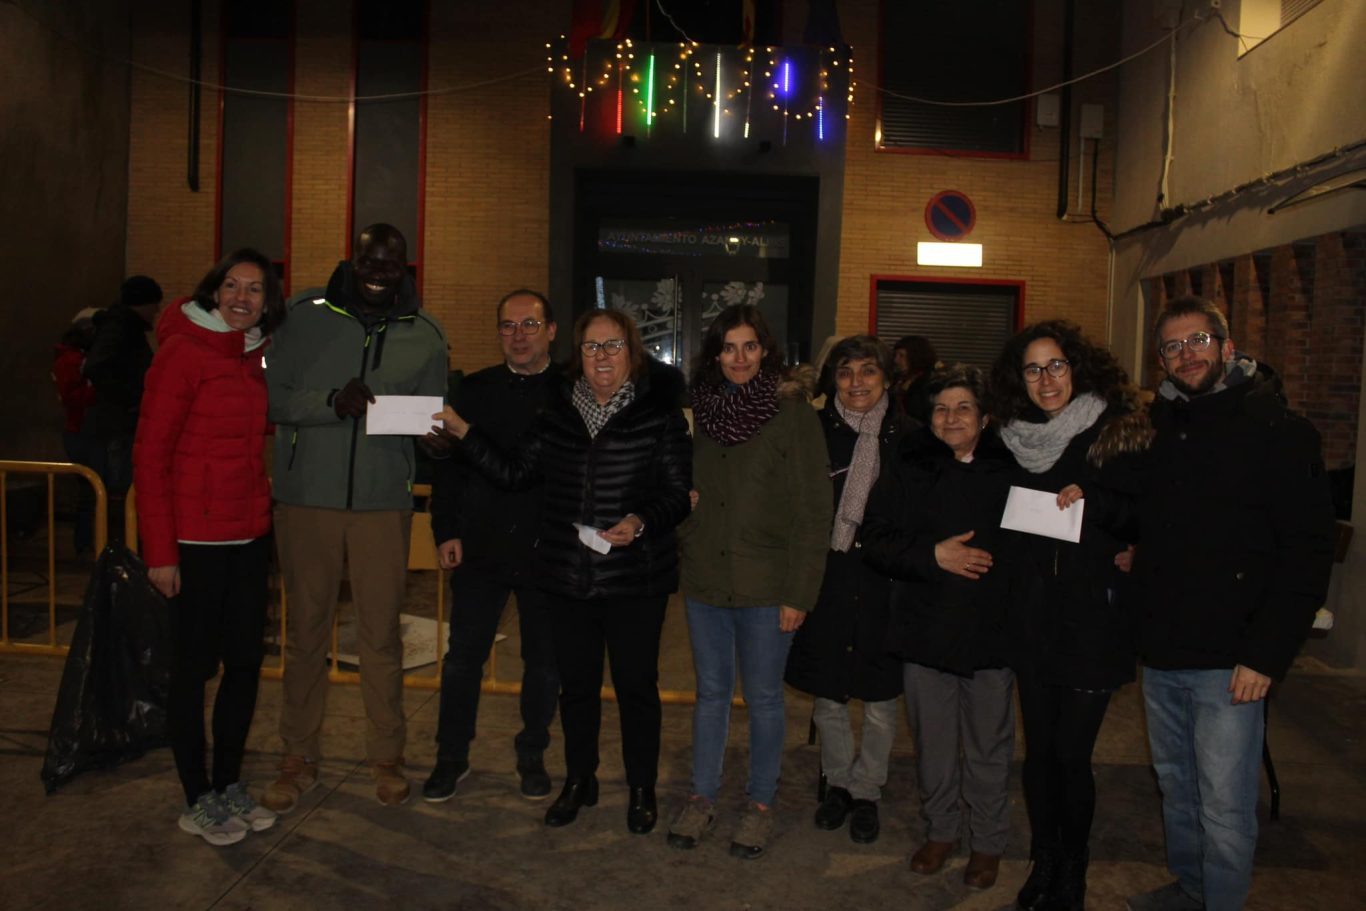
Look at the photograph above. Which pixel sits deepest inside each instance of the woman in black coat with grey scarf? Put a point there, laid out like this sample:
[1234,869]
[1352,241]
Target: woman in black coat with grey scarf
[1066,412]
[840,653]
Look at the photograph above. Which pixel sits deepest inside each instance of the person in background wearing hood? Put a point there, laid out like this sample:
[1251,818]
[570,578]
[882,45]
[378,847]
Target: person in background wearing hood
[840,653]
[204,521]
[118,359]
[78,398]
[1066,412]
[1236,546]
[753,558]
[614,462]
[345,497]
[933,525]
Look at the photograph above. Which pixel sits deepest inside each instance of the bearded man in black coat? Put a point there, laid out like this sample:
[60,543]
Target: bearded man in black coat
[1234,553]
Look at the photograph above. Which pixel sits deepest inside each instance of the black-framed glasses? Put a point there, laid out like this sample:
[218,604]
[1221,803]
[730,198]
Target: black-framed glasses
[1057,368]
[611,346]
[1200,341]
[528,326]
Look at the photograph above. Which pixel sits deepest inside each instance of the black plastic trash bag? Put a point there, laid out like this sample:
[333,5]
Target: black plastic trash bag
[111,706]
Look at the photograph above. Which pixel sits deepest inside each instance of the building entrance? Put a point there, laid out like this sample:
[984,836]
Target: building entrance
[676,253]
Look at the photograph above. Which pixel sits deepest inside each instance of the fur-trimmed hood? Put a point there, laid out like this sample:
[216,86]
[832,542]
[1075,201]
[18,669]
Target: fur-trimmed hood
[1122,435]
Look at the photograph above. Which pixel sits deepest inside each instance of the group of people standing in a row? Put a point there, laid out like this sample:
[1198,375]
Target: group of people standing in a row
[850,551]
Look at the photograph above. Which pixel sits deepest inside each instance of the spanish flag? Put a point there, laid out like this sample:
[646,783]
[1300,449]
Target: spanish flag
[599,19]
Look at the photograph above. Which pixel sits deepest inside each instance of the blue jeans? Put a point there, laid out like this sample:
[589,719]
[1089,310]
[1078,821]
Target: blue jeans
[720,636]
[1207,755]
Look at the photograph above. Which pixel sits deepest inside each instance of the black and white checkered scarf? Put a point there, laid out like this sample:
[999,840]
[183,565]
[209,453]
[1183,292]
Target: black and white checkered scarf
[594,415]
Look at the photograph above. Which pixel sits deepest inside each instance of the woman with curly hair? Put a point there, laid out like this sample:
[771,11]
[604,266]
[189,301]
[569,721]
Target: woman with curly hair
[1066,413]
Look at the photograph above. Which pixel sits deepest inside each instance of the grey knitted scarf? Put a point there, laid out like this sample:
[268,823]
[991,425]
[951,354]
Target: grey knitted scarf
[1037,447]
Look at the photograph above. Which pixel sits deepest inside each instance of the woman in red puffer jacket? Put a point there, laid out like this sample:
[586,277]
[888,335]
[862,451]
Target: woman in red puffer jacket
[203,503]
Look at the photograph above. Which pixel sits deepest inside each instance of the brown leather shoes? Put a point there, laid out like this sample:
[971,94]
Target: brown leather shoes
[931,856]
[981,870]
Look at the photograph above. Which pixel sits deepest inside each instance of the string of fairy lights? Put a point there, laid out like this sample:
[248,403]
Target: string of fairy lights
[655,81]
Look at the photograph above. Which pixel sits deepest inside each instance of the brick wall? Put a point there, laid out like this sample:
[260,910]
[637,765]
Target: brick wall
[170,227]
[1301,309]
[1064,265]
[487,170]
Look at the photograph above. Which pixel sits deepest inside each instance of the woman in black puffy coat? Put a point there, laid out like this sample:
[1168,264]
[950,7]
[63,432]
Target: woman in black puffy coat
[1067,413]
[934,526]
[840,653]
[615,461]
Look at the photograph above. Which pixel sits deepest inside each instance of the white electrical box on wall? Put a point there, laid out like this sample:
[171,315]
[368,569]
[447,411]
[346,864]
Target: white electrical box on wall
[1046,110]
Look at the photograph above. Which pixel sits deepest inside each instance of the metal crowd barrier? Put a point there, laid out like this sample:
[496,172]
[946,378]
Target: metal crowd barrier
[50,470]
[422,556]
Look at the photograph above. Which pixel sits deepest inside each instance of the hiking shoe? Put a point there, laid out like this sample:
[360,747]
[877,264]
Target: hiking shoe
[752,834]
[238,800]
[535,779]
[391,787]
[298,776]
[211,820]
[446,774]
[695,820]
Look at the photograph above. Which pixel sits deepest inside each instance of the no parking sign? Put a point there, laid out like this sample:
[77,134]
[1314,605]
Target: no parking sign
[950,215]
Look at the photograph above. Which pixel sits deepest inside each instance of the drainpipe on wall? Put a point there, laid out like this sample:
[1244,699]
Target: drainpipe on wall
[196,69]
[1065,114]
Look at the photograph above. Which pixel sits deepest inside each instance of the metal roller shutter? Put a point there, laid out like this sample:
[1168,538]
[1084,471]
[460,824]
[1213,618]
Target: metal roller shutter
[966,323]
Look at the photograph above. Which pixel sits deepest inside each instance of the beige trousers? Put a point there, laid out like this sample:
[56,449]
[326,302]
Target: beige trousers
[313,543]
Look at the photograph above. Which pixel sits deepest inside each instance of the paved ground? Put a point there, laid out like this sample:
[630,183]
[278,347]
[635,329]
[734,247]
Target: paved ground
[109,839]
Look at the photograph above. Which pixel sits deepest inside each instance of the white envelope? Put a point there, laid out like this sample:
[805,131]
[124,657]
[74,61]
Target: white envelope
[589,537]
[1036,512]
[402,415]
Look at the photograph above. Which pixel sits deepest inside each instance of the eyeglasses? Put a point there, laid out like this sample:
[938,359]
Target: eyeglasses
[1056,368]
[528,327]
[1200,341]
[611,346]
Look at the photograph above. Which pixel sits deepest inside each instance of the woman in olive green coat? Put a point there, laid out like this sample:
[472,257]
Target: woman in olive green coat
[753,558]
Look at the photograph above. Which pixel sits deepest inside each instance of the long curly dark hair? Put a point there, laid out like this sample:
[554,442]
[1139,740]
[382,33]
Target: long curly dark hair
[1093,368]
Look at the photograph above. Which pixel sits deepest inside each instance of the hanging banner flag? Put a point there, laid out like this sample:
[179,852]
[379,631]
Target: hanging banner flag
[599,19]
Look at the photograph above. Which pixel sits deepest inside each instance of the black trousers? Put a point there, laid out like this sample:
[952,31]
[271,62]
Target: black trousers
[478,599]
[218,617]
[1060,727]
[629,628]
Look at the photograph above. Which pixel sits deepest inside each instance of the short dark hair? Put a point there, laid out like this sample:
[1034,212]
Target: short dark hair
[547,314]
[138,291]
[1094,369]
[707,365]
[381,233]
[855,348]
[958,376]
[635,348]
[273,313]
[1190,305]
[920,354]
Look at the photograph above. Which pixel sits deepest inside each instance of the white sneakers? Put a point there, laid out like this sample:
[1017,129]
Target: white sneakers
[225,819]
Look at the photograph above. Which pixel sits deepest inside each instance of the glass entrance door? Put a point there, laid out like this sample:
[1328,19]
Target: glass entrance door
[674,278]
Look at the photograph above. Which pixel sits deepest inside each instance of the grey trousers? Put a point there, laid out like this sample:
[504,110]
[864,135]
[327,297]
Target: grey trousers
[864,773]
[943,710]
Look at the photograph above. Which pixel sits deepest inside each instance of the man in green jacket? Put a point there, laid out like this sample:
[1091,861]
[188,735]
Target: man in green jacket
[342,494]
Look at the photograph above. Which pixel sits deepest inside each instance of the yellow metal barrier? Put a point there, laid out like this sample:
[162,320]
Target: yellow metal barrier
[50,470]
[422,556]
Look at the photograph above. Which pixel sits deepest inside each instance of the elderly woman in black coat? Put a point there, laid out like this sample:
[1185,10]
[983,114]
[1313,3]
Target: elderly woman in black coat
[933,524]
[615,461]
[841,653]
